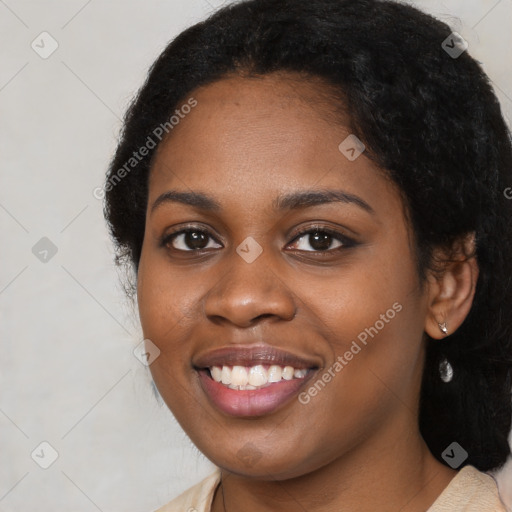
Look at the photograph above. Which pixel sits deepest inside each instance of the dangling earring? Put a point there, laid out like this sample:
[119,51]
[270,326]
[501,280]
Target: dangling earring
[445,370]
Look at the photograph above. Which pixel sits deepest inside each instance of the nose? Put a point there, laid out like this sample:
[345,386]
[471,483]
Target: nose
[247,292]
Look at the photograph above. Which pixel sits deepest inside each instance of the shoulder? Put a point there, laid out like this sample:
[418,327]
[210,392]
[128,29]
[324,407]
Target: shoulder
[470,491]
[195,499]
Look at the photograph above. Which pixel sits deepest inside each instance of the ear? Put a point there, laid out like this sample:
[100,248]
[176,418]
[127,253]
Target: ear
[452,289]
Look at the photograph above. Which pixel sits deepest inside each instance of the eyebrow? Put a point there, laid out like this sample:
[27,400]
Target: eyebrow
[292,201]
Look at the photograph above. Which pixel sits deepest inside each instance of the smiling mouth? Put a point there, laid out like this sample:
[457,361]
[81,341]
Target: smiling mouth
[252,380]
[247,400]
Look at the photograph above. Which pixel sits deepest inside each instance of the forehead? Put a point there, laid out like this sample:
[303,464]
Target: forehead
[251,137]
[239,110]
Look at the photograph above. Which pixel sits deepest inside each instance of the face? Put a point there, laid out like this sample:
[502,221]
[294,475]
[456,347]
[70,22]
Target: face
[280,265]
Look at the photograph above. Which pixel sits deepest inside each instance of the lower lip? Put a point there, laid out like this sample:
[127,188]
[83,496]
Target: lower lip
[251,402]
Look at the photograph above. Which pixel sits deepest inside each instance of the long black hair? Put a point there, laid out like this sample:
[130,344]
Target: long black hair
[427,116]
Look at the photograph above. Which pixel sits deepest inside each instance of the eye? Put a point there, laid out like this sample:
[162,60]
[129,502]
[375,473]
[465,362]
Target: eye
[321,239]
[189,240]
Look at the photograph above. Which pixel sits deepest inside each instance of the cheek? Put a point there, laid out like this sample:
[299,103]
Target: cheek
[373,321]
[364,296]
[165,320]
[170,307]
[167,296]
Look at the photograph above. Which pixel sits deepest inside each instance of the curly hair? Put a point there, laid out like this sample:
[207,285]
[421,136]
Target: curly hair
[432,123]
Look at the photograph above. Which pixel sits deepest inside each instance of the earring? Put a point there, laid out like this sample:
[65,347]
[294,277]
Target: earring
[443,328]
[445,370]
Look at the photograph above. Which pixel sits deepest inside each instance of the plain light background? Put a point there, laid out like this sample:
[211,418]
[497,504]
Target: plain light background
[68,376]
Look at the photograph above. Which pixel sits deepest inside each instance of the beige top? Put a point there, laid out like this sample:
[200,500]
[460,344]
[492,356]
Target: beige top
[469,491]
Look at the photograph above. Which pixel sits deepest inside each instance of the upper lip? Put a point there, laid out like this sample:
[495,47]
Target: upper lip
[251,356]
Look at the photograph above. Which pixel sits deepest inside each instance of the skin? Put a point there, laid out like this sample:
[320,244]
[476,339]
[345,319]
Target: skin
[356,444]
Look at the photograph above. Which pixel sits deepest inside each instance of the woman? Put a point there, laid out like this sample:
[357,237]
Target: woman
[312,194]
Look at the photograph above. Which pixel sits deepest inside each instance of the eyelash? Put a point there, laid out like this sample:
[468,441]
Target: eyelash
[345,241]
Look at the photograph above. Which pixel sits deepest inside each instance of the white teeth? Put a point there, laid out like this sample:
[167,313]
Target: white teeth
[216,372]
[288,373]
[254,377]
[226,375]
[274,373]
[257,376]
[239,376]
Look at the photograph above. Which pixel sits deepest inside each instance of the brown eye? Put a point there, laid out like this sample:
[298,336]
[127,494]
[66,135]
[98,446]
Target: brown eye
[189,240]
[321,240]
